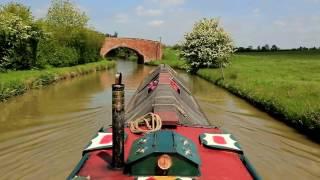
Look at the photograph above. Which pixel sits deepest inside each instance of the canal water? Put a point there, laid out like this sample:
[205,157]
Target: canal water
[43,131]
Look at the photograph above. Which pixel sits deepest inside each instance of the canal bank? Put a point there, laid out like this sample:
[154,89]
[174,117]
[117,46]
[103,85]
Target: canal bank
[43,131]
[283,84]
[18,82]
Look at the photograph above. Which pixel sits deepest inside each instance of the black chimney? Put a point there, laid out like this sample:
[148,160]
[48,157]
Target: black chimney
[118,122]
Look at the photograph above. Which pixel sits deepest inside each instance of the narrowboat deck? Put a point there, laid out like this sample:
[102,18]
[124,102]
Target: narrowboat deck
[166,136]
[215,164]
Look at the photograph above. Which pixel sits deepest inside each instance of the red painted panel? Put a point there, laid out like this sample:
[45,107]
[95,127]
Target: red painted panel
[215,164]
[151,178]
[219,140]
[164,78]
[168,117]
[106,139]
[175,86]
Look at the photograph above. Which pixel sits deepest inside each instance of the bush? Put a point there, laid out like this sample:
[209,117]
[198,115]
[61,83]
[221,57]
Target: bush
[87,42]
[52,53]
[208,45]
[62,38]
[19,37]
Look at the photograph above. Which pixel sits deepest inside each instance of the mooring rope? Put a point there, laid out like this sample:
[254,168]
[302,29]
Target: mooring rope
[151,121]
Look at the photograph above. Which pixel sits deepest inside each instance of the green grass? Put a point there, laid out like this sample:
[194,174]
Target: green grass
[17,82]
[130,58]
[171,57]
[284,84]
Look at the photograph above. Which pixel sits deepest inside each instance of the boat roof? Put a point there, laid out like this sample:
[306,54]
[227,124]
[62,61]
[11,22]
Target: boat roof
[170,99]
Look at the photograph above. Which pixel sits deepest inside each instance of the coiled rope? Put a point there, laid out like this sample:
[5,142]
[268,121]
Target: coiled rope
[151,121]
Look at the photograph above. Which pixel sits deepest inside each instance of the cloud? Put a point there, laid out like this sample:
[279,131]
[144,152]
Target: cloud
[254,25]
[156,23]
[82,8]
[313,1]
[285,32]
[141,11]
[279,23]
[256,11]
[170,2]
[40,12]
[121,18]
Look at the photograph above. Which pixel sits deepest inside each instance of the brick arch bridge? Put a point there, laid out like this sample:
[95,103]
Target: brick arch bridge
[147,50]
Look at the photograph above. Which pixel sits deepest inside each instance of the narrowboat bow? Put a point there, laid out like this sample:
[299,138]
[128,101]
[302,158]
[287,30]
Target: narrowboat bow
[162,135]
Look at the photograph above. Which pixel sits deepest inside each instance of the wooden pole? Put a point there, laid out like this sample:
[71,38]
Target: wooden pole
[118,123]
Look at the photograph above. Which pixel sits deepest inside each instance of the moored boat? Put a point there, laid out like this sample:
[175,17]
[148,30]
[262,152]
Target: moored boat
[162,135]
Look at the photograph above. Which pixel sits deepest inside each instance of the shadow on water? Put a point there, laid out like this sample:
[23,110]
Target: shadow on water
[43,131]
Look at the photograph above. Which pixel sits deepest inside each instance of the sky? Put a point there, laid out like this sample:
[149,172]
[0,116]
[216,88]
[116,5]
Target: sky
[286,23]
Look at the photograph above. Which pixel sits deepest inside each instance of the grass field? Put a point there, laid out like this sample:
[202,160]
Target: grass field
[285,84]
[171,57]
[17,82]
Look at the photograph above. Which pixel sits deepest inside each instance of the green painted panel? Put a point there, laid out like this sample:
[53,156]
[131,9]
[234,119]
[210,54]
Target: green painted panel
[145,152]
[146,166]
[141,148]
[180,167]
[164,141]
[186,148]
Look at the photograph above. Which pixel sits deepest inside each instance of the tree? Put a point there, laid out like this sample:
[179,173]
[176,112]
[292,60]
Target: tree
[87,42]
[241,49]
[265,48]
[54,54]
[67,25]
[64,14]
[19,37]
[249,48]
[19,10]
[115,34]
[176,47]
[60,39]
[274,48]
[207,45]
[258,48]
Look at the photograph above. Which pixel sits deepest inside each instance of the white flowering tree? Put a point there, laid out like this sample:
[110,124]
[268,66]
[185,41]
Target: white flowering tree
[207,45]
[19,37]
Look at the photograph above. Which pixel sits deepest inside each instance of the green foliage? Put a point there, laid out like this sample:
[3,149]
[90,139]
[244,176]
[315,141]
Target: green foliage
[60,39]
[73,42]
[52,53]
[123,53]
[176,47]
[208,45]
[19,10]
[87,43]
[17,82]
[63,14]
[19,37]
[172,58]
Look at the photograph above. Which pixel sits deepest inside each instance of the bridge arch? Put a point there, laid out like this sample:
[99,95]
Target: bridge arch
[146,50]
[138,53]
